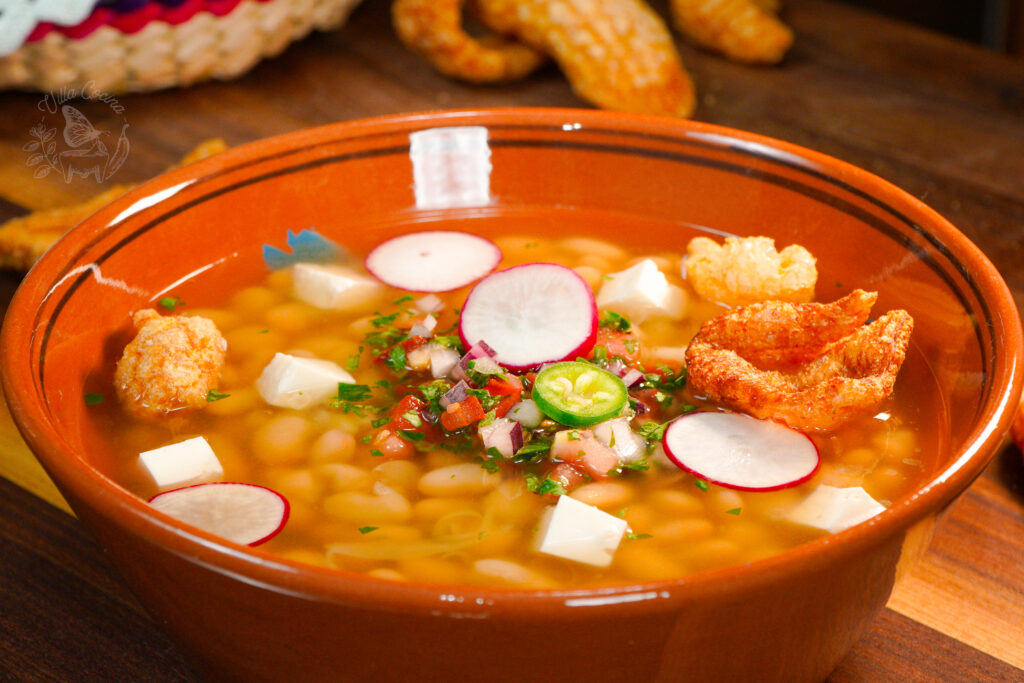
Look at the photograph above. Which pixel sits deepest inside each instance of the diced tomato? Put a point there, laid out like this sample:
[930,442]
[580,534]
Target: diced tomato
[462,414]
[407,413]
[579,447]
[408,404]
[391,446]
[623,344]
[414,343]
[569,476]
[509,387]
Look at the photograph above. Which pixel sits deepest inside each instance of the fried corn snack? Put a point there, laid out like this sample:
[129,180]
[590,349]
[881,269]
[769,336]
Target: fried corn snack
[433,28]
[617,54]
[742,30]
[746,270]
[24,239]
[172,364]
[846,378]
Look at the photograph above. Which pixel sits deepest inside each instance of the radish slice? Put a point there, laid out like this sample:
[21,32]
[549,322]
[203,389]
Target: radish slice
[741,452]
[433,261]
[531,314]
[244,513]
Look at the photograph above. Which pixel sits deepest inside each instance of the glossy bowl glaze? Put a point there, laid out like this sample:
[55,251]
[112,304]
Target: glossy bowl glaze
[242,614]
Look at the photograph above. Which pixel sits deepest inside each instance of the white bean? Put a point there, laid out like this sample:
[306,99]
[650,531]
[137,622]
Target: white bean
[465,479]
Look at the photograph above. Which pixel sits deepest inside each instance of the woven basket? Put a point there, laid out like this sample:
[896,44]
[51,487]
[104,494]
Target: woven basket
[161,55]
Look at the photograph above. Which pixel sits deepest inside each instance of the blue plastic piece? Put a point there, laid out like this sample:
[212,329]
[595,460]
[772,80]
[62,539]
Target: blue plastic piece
[307,246]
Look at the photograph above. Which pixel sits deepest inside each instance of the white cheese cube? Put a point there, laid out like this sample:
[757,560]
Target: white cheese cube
[617,435]
[334,287]
[834,509]
[294,382]
[187,462]
[641,292]
[580,532]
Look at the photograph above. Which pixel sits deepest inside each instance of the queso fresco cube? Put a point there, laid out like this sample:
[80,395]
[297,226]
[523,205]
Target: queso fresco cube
[641,292]
[580,532]
[835,509]
[294,382]
[187,462]
[334,287]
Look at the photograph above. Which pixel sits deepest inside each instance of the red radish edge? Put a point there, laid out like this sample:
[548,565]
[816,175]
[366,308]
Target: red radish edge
[432,260]
[477,300]
[285,511]
[686,452]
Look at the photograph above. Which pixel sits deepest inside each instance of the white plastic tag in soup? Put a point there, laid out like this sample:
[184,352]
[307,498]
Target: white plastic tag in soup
[451,167]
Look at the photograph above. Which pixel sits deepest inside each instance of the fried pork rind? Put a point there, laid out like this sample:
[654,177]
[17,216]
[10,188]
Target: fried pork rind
[24,239]
[617,54]
[742,30]
[813,367]
[746,270]
[433,28]
[172,364]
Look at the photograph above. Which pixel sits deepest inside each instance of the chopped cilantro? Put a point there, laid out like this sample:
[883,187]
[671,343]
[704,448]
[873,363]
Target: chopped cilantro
[667,380]
[574,435]
[367,529]
[366,439]
[384,339]
[376,453]
[383,320]
[450,341]
[653,432]
[487,400]
[402,299]
[600,354]
[263,331]
[93,399]
[171,302]
[432,393]
[214,395]
[621,513]
[734,511]
[615,321]
[535,450]
[636,537]
[638,465]
[544,486]
[352,363]
[352,392]
[410,435]
[350,397]
[396,359]
[491,462]
[381,422]
[702,485]
[630,345]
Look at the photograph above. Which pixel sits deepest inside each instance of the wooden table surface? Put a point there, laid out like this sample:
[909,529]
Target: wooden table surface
[940,118]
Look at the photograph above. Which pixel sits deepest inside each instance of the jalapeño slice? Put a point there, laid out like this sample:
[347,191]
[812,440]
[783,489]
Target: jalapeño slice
[578,394]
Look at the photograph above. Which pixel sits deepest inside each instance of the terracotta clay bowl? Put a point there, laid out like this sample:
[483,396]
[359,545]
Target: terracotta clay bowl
[240,613]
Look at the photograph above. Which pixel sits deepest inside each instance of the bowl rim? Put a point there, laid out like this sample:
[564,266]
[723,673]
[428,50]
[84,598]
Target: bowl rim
[81,482]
